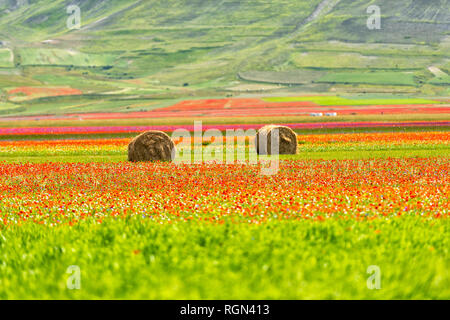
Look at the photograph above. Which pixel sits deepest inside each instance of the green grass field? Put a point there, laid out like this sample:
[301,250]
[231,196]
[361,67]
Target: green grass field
[236,120]
[441,80]
[137,259]
[356,151]
[6,58]
[341,101]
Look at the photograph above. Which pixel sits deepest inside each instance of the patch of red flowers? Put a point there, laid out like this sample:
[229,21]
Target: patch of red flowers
[65,193]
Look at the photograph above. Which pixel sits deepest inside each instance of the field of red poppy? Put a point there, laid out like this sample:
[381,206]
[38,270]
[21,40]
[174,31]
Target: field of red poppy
[78,221]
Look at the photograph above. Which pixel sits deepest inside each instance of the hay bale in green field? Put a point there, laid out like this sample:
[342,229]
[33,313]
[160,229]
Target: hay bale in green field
[151,146]
[286,140]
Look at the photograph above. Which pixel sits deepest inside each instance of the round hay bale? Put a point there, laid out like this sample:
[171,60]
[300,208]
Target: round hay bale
[287,140]
[151,146]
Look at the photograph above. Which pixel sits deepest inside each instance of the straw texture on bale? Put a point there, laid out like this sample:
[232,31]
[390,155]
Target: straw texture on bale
[287,140]
[151,146]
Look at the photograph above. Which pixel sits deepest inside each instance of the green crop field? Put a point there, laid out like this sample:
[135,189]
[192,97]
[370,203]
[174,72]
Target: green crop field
[350,60]
[184,49]
[138,259]
[6,58]
[387,78]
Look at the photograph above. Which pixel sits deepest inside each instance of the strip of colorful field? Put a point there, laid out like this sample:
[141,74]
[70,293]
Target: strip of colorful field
[268,107]
[437,143]
[55,193]
[124,129]
[66,121]
[239,107]
[382,138]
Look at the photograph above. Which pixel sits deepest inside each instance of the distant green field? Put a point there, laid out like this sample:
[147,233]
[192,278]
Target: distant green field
[387,78]
[440,80]
[85,104]
[40,56]
[135,258]
[134,55]
[241,120]
[4,106]
[149,48]
[6,58]
[340,101]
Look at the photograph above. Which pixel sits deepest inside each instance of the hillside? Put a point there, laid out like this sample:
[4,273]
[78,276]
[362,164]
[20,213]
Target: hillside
[145,54]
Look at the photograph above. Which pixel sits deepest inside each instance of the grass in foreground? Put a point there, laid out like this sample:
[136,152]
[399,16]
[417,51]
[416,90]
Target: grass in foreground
[138,259]
[405,144]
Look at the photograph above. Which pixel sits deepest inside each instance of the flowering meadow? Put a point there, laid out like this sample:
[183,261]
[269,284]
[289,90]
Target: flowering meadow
[168,128]
[434,141]
[224,231]
[55,193]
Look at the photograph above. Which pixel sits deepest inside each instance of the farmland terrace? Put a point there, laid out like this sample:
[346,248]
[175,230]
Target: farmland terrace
[141,55]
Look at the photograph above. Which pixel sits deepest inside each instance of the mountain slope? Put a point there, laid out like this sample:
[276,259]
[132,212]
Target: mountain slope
[179,48]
